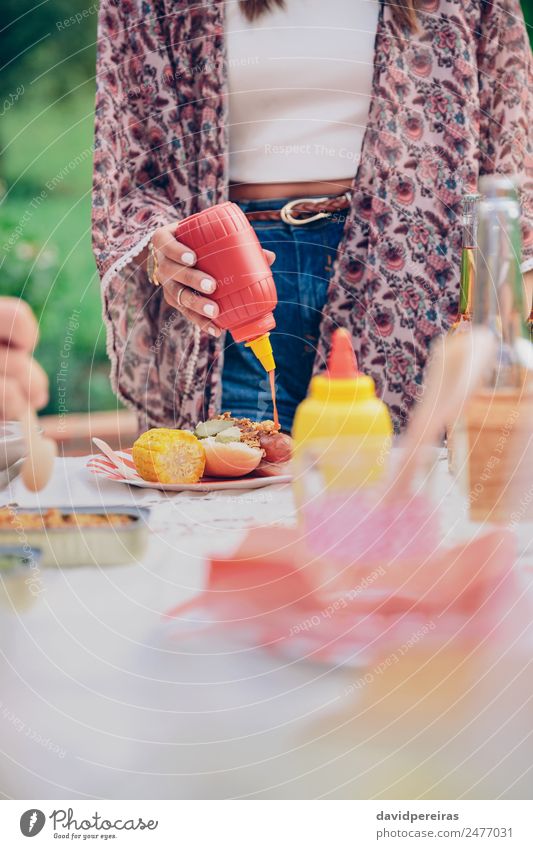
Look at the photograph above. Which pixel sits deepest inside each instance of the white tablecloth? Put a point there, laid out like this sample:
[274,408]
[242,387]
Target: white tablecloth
[98,700]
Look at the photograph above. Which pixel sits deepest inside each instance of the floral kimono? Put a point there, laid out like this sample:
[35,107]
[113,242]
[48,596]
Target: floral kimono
[450,102]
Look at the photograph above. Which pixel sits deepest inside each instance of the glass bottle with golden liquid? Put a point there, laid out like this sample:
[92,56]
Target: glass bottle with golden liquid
[498,419]
[468,260]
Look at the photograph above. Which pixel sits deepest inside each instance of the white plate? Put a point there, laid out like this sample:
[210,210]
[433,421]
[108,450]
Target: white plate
[101,465]
[210,484]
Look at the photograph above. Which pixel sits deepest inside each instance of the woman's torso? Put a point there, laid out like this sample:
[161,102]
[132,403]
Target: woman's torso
[298,106]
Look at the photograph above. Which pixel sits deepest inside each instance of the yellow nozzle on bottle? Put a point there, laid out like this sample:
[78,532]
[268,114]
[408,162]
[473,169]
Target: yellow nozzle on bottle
[263,351]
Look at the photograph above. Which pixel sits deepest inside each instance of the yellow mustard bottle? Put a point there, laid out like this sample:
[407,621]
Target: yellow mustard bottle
[342,431]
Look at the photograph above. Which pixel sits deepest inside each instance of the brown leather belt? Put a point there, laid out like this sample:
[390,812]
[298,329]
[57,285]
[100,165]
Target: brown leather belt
[313,208]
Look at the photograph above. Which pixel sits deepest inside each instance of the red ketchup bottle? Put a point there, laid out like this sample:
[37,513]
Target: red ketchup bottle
[228,249]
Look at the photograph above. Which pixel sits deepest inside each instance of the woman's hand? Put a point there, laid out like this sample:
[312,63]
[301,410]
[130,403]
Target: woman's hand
[22,380]
[185,287]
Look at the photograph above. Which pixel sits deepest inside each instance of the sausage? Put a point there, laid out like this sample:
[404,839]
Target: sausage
[277,447]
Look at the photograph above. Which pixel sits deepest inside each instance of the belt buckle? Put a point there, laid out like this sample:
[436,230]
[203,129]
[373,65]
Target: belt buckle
[288,218]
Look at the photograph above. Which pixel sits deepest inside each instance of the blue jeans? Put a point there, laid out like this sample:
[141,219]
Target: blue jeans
[302,270]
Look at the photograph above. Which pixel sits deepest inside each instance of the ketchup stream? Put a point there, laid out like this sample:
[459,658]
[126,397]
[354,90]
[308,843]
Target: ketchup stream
[272,379]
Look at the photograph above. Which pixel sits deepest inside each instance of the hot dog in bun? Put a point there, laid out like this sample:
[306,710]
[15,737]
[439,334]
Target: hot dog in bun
[235,447]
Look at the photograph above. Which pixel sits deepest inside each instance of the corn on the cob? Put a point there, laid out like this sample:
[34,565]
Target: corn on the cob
[163,455]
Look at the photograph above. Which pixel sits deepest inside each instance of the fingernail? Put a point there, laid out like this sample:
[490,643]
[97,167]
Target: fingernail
[210,310]
[213,331]
[207,285]
[188,258]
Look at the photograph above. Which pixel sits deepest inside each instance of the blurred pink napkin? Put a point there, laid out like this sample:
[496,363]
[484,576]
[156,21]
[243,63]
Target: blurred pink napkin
[275,592]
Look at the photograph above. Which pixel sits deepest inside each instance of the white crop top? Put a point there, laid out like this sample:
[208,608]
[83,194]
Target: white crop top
[299,89]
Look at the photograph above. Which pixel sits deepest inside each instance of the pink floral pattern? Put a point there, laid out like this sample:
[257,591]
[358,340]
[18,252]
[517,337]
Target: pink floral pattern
[450,102]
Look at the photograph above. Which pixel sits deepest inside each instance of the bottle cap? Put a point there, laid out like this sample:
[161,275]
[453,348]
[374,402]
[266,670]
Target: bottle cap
[263,351]
[343,380]
[342,362]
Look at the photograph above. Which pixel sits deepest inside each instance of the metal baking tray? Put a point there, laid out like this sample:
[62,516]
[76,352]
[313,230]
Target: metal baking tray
[85,546]
[19,576]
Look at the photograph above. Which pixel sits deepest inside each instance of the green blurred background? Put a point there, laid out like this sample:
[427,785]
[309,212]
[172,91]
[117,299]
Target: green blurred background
[46,134]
